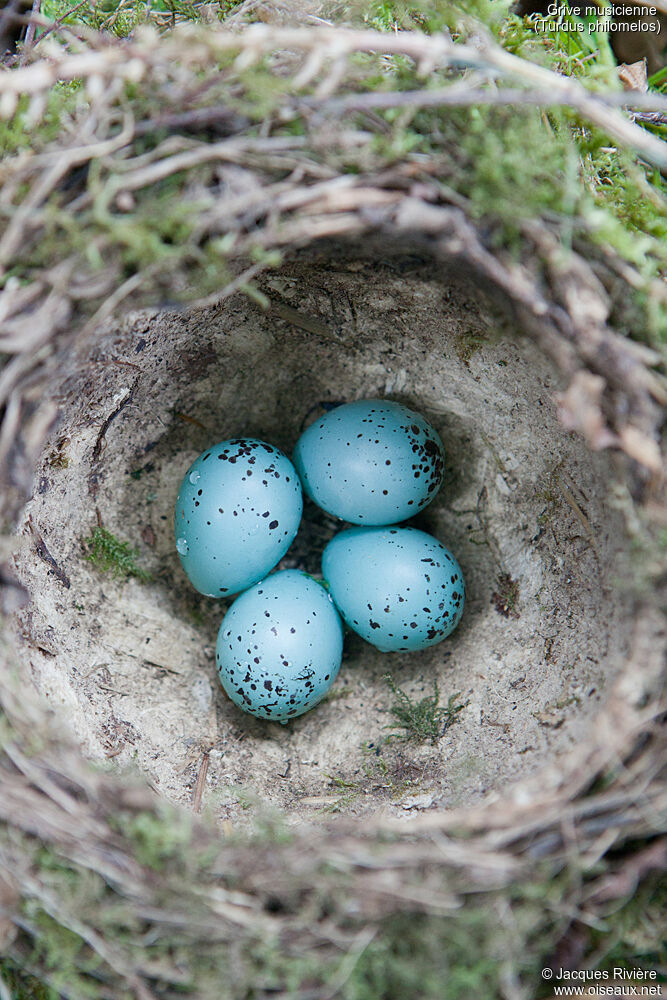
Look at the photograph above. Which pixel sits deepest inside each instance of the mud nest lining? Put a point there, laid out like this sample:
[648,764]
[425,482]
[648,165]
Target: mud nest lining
[525,506]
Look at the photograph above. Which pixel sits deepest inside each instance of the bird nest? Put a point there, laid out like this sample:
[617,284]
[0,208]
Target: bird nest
[222,235]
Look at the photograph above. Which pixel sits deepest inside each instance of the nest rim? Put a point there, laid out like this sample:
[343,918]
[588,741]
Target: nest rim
[623,715]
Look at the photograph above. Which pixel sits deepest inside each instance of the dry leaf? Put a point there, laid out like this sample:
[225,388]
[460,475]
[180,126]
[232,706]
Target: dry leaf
[641,447]
[633,76]
[579,410]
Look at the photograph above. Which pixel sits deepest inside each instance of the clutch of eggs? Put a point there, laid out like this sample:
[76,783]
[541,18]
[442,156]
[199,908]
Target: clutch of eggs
[370,462]
[237,512]
[398,588]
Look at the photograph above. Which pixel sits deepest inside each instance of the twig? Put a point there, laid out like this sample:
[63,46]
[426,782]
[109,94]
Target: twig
[197,118]
[650,117]
[113,957]
[217,298]
[49,180]
[191,420]
[231,150]
[45,556]
[113,301]
[459,96]
[624,881]
[349,963]
[581,517]
[59,22]
[201,782]
[123,364]
[308,323]
[99,445]
[438,50]
[30,33]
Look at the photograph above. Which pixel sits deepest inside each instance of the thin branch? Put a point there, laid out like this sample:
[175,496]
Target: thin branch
[30,33]
[459,96]
[201,782]
[60,21]
[350,962]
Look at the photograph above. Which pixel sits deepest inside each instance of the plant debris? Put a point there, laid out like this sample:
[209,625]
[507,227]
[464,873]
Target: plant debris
[111,555]
[45,556]
[506,597]
[426,719]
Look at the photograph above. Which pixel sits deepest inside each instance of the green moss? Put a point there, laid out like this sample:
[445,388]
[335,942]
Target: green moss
[120,17]
[159,837]
[426,719]
[467,344]
[349,793]
[22,986]
[631,936]
[70,966]
[63,101]
[447,957]
[110,555]
[421,956]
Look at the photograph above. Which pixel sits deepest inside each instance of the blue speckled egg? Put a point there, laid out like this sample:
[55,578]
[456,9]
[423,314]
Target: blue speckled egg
[237,512]
[399,588]
[370,462]
[280,646]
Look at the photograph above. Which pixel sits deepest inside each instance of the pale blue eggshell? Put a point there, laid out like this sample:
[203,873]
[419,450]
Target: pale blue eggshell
[398,588]
[371,462]
[237,512]
[280,646]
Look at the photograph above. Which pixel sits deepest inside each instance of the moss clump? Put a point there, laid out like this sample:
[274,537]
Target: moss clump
[159,838]
[467,344]
[388,968]
[120,17]
[110,555]
[506,596]
[426,719]
[22,986]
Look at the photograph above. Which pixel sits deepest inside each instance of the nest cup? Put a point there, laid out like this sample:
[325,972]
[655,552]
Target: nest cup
[129,664]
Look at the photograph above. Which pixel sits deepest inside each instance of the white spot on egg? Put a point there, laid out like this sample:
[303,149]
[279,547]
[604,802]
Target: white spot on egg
[182,546]
[195,477]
